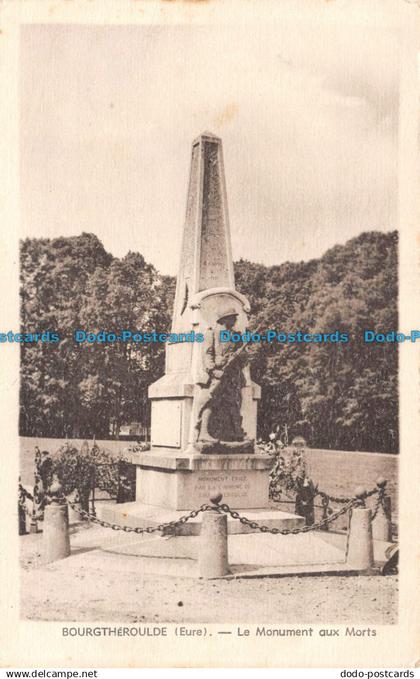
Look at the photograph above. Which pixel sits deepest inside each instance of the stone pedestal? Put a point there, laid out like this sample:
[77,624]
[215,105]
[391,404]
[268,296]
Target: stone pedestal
[172,483]
[175,481]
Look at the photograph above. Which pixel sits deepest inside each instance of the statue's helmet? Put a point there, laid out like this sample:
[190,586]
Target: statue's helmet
[229,313]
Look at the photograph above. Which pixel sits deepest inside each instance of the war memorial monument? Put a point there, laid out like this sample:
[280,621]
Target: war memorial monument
[204,408]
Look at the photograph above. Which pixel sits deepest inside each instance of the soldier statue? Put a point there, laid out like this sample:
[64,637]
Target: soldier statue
[221,381]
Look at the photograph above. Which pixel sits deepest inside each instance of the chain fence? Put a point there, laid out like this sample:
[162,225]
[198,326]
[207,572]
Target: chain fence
[171,526]
[290,485]
[164,528]
[304,501]
[329,517]
[291,531]
[305,498]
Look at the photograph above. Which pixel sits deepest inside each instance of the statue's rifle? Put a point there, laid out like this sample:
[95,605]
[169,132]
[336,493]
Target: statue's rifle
[239,351]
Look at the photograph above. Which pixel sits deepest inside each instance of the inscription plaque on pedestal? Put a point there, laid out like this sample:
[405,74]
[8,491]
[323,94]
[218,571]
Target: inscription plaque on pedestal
[236,486]
[166,423]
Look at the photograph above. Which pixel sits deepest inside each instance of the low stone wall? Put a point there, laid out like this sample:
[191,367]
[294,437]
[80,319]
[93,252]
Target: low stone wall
[338,472]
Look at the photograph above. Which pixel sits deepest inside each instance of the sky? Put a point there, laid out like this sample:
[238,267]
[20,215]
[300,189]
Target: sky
[307,112]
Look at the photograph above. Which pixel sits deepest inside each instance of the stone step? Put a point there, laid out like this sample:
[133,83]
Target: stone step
[256,555]
[246,552]
[136,514]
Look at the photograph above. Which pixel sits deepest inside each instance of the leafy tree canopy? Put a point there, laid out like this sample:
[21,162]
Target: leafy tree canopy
[342,396]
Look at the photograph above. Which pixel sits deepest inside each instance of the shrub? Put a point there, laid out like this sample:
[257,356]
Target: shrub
[81,470]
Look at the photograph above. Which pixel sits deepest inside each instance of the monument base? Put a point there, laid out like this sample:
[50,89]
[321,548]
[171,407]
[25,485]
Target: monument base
[171,483]
[138,515]
[174,480]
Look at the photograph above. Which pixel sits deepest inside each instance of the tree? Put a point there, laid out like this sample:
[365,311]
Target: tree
[338,395]
[342,395]
[75,389]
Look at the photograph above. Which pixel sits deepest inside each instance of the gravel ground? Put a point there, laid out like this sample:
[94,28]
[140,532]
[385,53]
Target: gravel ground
[81,589]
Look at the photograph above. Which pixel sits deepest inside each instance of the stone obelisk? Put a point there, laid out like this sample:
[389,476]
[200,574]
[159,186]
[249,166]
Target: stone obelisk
[205,291]
[197,452]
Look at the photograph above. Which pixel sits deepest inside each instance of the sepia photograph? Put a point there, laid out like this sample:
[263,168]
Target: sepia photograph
[209,338]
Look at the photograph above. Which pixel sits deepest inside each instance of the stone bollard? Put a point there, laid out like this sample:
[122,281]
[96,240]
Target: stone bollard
[22,520]
[33,526]
[381,524]
[22,497]
[360,543]
[55,535]
[213,547]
